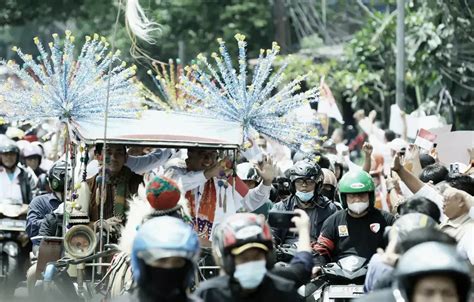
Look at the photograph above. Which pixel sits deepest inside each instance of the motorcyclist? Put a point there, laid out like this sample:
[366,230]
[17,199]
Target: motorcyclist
[357,230]
[306,185]
[248,174]
[330,187]
[164,255]
[161,197]
[430,271]
[33,156]
[45,204]
[243,248]
[381,264]
[16,183]
[16,191]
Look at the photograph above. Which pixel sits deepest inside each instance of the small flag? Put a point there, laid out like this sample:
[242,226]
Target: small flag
[327,103]
[425,139]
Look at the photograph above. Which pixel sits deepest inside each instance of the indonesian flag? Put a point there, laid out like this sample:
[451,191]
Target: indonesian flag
[425,139]
[327,103]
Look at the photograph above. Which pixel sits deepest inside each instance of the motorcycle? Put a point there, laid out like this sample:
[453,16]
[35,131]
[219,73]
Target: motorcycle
[340,281]
[13,242]
[207,268]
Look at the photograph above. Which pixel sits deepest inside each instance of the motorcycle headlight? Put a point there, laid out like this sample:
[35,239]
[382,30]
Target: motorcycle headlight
[80,241]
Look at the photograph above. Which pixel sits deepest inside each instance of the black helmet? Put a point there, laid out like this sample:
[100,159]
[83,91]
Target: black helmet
[56,175]
[238,233]
[11,147]
[306,169]
[431,258]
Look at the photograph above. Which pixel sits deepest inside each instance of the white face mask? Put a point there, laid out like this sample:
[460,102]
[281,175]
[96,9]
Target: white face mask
[250,274]
[358,207]
[304,196]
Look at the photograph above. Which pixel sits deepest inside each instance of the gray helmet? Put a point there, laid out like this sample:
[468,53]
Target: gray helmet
[329,178]
[431,258]
[306,169]
[409,222]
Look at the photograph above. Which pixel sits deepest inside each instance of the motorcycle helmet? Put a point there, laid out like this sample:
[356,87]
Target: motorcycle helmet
[33,150]
[329,146]
[407,223]
[164,237]
[282,186]
[306,169]
[357,181]
[247,172]
[56,175]
[11,147]
[431,258]
[331,182]
[239,233]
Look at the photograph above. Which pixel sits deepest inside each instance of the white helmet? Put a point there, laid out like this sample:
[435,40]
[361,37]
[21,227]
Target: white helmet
[246,171]
[32,150]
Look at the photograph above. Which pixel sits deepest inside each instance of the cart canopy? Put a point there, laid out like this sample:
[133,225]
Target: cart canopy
[160,128]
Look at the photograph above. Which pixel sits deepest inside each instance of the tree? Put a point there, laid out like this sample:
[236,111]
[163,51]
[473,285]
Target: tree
[199,23]
[439,58]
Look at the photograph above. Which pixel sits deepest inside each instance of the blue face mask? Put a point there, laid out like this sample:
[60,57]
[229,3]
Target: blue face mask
[250,274]
[304,196]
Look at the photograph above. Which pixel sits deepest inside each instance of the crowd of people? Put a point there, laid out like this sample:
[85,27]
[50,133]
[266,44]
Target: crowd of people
[365,191]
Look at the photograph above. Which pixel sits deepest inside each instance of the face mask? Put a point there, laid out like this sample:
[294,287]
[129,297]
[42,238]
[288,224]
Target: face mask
[250,274]
[304,196]
[165,284]
[358,207]
[328,193]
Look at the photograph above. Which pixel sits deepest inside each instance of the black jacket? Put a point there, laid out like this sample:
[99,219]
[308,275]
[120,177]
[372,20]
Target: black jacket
[280,284]
[273,288]
[135,296]
[343,235]
[52,225]
[25,185]
[318,214]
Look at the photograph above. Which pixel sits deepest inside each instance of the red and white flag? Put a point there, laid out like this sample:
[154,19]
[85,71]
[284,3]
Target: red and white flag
[425,139]
[327,103]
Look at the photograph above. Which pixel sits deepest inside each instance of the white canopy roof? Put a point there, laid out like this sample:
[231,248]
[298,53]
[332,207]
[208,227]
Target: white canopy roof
[161,128]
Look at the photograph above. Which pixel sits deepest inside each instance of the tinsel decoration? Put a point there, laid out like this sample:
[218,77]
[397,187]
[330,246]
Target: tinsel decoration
[263,106]
[60,85]
[166,78]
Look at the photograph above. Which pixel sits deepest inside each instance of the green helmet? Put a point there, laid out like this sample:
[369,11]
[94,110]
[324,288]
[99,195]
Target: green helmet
[356,182]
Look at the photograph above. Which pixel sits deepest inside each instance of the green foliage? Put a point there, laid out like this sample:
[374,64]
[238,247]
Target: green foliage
[439,54]
[199,23]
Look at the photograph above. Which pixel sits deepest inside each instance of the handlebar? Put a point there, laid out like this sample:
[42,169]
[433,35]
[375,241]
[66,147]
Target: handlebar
[110,249]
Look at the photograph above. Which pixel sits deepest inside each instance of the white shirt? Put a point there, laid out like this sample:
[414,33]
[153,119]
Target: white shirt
[10,189]
[148,162]
[429,192]
[466,244]
[195,181]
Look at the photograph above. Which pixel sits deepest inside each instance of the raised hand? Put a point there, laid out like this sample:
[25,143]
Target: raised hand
[367,148]
[266,170]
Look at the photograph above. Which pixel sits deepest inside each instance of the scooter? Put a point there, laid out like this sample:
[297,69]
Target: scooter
[340,281]
[13,240]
